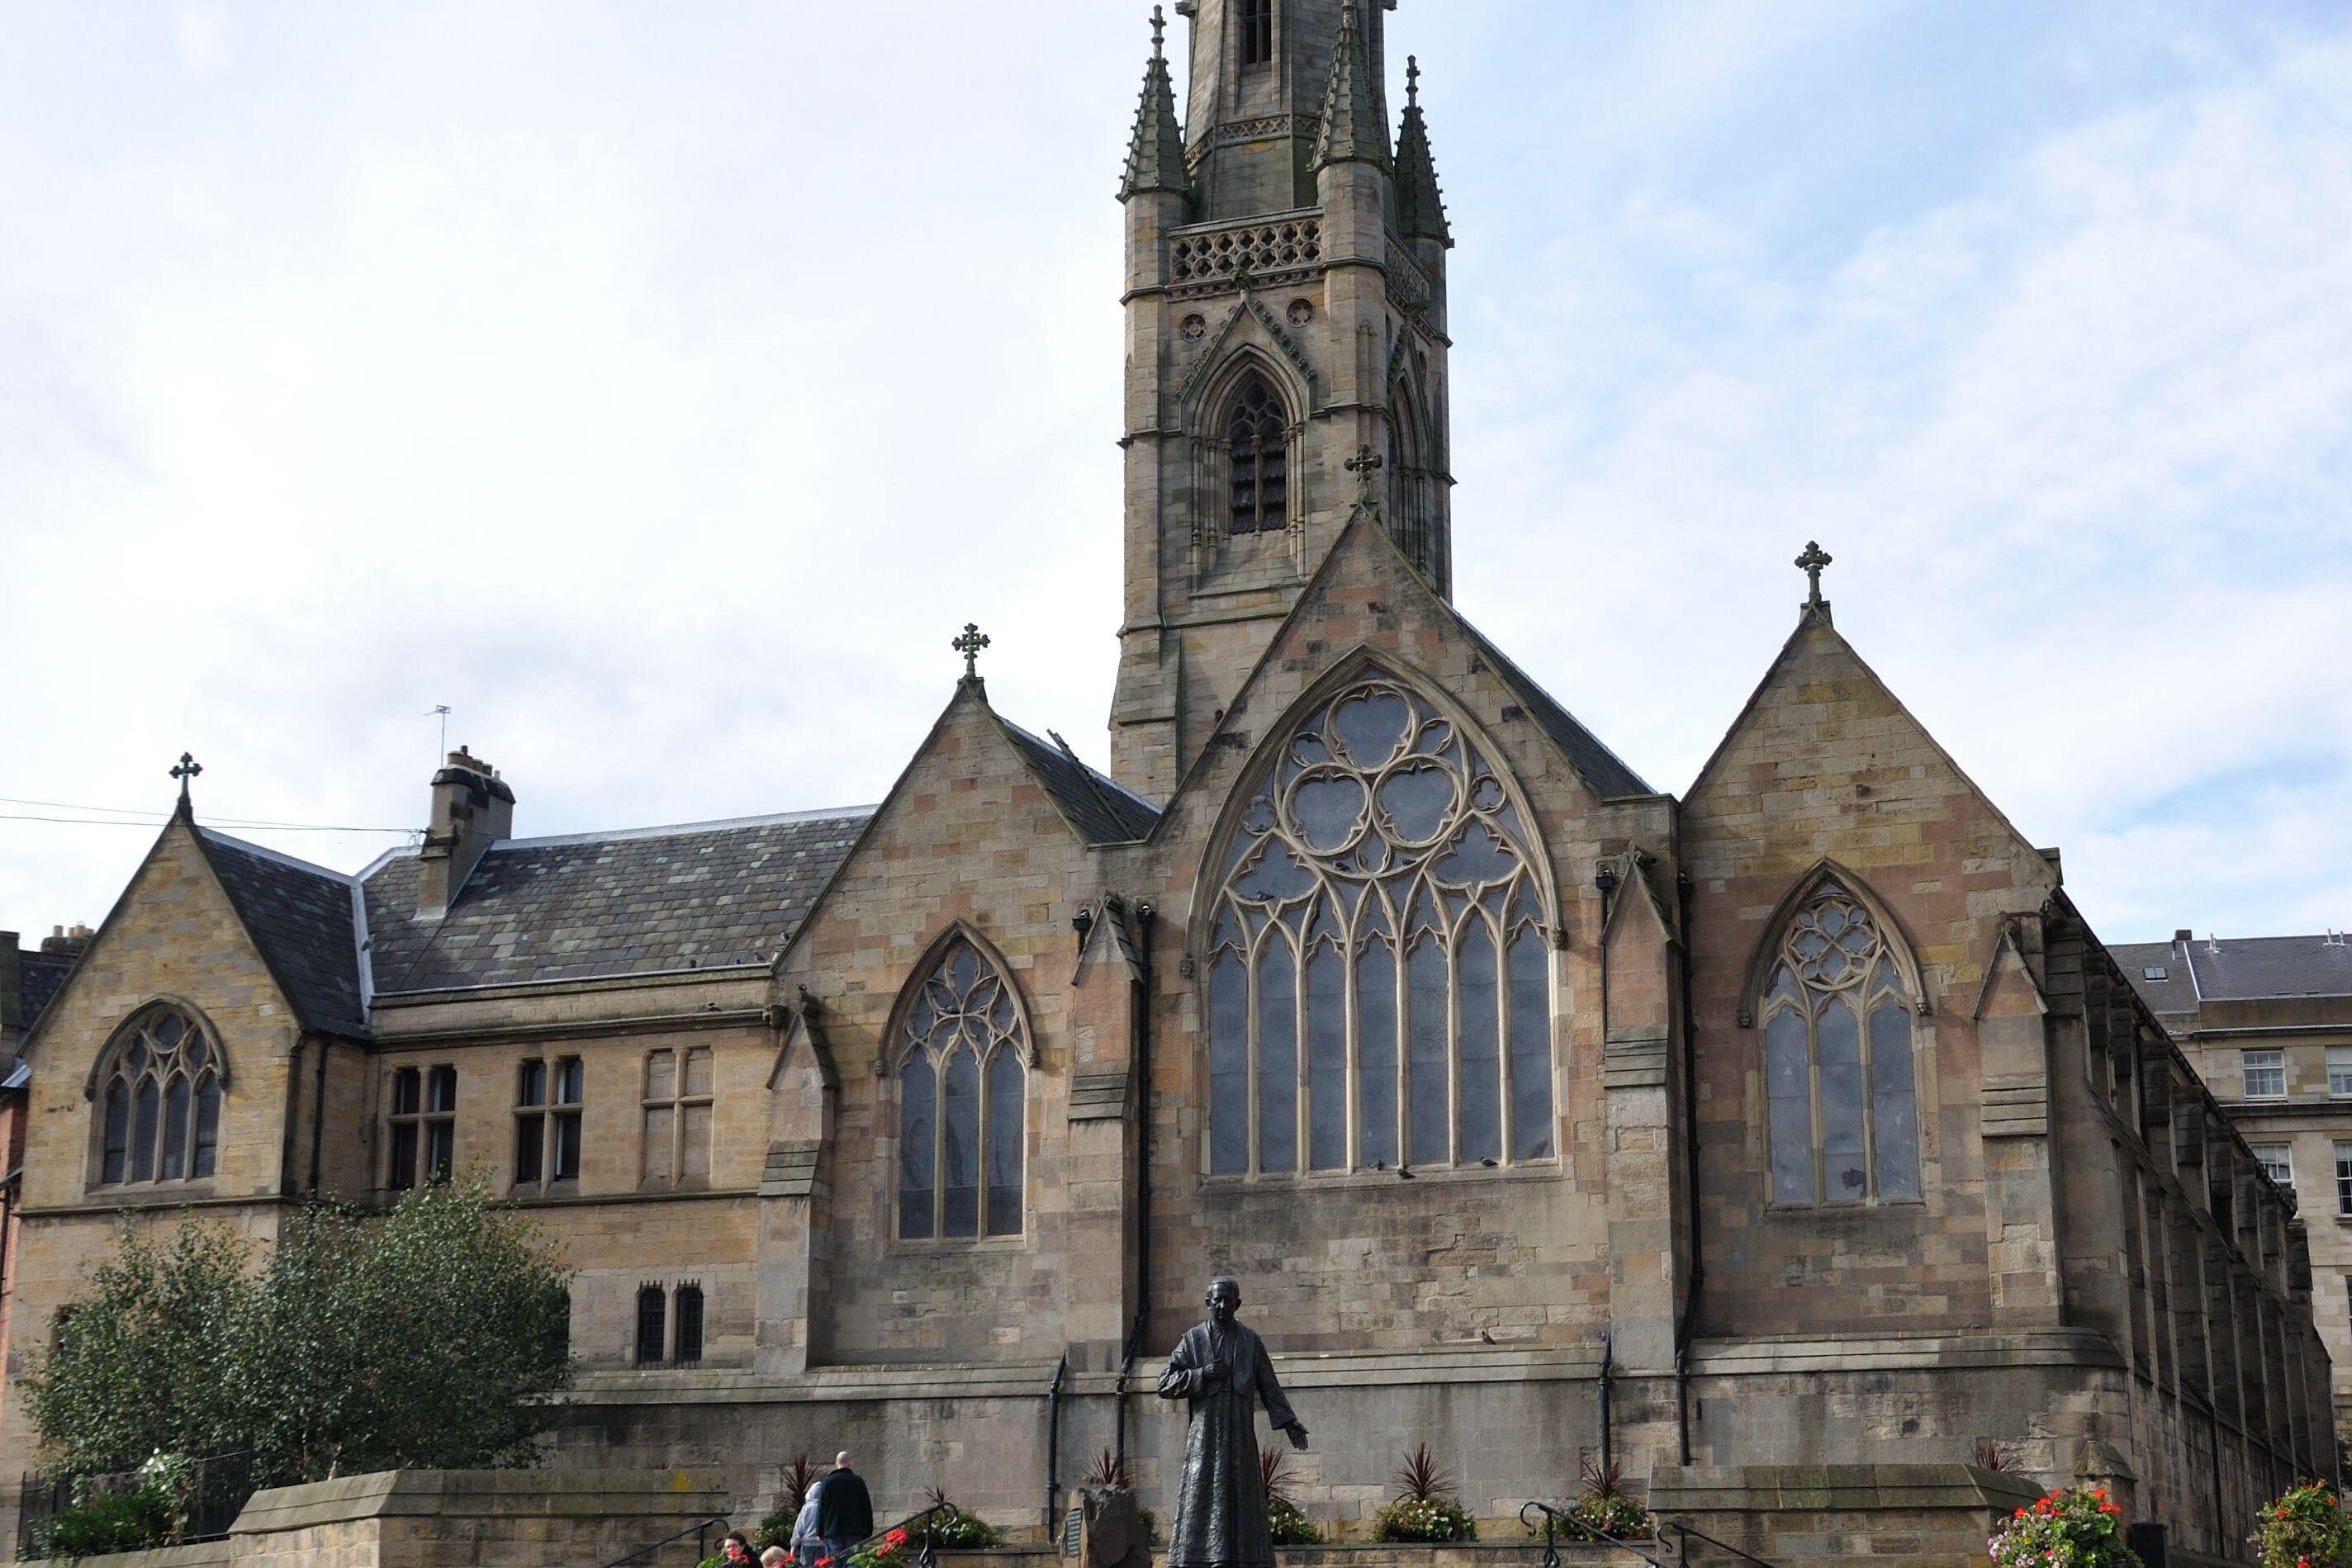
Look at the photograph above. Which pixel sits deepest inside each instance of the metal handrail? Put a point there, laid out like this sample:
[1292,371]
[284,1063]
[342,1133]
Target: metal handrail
[927,1555]
[699,1530]
[1552,1515]
[1683,1534]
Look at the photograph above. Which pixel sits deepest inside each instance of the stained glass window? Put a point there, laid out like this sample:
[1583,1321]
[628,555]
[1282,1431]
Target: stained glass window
[963,1088]
[1379,978]
[158,1106]
[1841,1107]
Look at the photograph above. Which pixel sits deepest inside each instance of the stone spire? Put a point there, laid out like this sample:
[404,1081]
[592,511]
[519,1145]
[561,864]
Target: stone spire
[1421,205]
[1353,126]
[1155,157]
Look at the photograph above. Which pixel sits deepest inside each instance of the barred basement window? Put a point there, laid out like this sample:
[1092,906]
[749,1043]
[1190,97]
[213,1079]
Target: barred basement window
[424,1125]
[1380,974]
[1257,20]
[653,1323]
[677,1103]
[1259,444]
[1837,1059]
[690,1326]
[547,1120]
[963,1088]
[160,1104]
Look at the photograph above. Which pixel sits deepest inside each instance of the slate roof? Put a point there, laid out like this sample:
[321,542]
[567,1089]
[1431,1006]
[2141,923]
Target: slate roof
[301,917]
[40,975]
[640,902]
[2244,970]
[1603,768]
[1101,811]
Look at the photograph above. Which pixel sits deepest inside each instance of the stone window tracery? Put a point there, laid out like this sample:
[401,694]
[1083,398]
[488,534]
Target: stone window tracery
[160,1102]
[1837,1020]
[1258,453]
[1379,981]
[962,1047]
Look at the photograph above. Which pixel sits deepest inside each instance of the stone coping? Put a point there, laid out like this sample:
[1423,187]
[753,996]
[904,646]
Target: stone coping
[1905,1353]
[493,1494]
[1835,1487]
[200,1555]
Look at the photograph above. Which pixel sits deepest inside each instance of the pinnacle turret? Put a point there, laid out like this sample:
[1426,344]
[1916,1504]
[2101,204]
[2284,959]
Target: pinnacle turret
[1155,156]
[1421,205]
[1353,125]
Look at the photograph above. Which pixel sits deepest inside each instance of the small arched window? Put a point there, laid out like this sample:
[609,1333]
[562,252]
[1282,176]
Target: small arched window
[159,1104]
[1837,1016]
[1379,975]
[653,1324]
[689,1326]
[1257,32]
[1258,450]
[963,1088]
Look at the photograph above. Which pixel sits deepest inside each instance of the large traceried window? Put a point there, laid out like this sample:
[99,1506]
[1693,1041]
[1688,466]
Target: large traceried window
[1378,967]
[1837,1058]
[1258,448]
[159,1104]
[961,1070]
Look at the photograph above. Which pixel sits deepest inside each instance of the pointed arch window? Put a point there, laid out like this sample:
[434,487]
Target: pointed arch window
[1258,453]
[1257,18]
[159,1117]
[962,1068]
[1837,1016]
[1379,976]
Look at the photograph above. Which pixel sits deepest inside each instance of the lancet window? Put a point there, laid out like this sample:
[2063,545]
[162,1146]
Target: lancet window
[159,1104]
[1256,32]
[1258,450]
[963,1088]
[1378,967]
[1837,1021]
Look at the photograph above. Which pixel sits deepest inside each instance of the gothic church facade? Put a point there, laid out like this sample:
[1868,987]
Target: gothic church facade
[1787,1140]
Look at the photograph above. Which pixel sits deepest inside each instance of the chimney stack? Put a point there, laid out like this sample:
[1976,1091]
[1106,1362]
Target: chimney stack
[472,810]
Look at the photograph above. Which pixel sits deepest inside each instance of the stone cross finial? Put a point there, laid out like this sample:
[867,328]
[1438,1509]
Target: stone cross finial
[187,770]
[1413,78]
[1366,466]
[1811,563]
[1159,32]
[968,645]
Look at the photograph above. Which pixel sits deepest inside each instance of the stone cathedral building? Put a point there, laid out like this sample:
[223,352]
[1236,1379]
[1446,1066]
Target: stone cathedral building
[1787,1138]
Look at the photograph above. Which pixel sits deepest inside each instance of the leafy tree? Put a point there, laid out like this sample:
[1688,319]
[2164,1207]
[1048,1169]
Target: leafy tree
[430,1335]
[153,1358]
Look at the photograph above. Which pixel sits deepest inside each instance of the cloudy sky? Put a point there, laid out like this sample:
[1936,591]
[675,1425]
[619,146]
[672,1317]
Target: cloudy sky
[662,386]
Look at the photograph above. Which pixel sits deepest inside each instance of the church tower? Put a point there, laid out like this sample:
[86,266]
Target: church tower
[1286,350]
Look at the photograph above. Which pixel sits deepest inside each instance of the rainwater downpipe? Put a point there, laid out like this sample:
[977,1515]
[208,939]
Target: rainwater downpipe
[1682,887]
[1607,1365]
[1144,916]
[1054,1444]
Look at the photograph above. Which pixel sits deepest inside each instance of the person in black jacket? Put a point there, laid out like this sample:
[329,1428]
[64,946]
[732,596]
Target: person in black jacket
[844,1510]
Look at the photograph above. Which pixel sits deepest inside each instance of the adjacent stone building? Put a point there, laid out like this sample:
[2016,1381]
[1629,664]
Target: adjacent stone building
[2268,1022]
[1789,1140]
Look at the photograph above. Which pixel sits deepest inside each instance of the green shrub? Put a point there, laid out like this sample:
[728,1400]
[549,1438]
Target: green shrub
[107,1522]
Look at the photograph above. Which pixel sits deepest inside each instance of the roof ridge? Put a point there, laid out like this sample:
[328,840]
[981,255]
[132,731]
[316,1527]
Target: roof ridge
[295,862]
[680,830]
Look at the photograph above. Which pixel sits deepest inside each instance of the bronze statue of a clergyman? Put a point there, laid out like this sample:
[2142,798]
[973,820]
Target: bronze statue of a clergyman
[1221,1369]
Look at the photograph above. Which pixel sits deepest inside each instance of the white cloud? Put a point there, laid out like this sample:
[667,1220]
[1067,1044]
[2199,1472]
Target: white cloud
[665,399]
